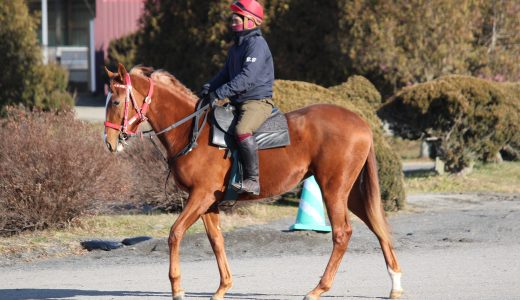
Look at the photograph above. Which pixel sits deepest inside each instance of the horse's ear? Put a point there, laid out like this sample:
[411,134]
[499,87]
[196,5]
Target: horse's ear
[110,74]
[122,71]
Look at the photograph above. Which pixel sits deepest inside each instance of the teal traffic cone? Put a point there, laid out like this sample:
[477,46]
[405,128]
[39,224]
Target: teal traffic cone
[311,215]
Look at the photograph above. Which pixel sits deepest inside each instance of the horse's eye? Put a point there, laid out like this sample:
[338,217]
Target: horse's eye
[115,102]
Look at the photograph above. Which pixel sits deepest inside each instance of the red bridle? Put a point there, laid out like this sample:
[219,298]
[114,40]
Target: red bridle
[140,115]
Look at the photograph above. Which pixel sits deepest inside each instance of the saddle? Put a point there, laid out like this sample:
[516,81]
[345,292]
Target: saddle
[273,133]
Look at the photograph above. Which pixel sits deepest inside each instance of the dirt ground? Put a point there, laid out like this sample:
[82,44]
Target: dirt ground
[451,246]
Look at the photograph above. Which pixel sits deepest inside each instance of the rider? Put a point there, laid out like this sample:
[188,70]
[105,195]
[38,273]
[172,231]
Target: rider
[247,80]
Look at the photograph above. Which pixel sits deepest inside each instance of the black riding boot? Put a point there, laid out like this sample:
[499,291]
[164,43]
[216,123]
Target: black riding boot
[248,151]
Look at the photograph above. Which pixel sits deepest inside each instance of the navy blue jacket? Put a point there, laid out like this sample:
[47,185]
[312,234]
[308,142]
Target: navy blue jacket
[248,72]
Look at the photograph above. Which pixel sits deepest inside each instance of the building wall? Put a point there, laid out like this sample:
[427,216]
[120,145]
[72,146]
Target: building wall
[70,39]
[68,21]
[114,19]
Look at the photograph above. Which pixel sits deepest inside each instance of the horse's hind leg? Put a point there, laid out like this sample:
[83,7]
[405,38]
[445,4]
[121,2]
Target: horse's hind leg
[212,223]
[356,205]
[334,194]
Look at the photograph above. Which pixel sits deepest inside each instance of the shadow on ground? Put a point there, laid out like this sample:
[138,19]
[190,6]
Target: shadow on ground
[420,173]
[26,294]
[29,294]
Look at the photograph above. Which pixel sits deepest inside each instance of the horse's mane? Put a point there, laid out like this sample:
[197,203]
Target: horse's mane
[165,78]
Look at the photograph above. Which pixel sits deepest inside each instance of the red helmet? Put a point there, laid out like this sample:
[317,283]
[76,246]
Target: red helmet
[250,9]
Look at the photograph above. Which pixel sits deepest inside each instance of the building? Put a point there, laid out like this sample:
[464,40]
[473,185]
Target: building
[76,34]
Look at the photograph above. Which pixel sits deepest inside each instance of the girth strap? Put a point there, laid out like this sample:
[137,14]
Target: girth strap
[195,132]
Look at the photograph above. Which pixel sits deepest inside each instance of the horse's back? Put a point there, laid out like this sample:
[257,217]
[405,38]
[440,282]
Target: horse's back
[327,121]
[322,137]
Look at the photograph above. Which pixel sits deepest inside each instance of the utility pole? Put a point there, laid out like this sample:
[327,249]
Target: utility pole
[45,32]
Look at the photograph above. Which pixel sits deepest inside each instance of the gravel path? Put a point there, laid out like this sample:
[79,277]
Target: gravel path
[451,246]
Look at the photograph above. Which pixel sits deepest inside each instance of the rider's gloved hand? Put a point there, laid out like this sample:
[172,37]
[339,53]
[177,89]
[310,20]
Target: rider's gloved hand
[204,91]
[212,99]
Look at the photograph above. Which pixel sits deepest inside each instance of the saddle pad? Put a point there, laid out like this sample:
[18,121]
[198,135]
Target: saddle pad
[273,132]
[235,178]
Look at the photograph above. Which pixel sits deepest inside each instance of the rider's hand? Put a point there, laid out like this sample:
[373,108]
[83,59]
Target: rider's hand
[212,99]
[204,91]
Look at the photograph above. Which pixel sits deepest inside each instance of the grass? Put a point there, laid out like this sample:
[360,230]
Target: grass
[65,242]
[406,149]
[500,178]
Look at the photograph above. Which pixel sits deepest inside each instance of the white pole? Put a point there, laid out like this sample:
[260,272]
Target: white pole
[92,50]
[45,32]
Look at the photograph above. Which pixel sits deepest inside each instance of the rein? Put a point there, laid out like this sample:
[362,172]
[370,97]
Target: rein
[140,117]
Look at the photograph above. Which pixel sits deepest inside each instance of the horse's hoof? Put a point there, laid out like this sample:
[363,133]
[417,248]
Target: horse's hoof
[395,294]
[310,298]
[178,296]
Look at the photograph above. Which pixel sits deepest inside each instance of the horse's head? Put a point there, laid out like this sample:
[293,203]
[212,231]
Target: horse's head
[125,108]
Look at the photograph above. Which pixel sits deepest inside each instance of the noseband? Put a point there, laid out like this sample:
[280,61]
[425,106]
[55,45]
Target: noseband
[140,115]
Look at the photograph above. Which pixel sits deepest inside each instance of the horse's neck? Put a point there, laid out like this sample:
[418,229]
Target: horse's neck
[166,108]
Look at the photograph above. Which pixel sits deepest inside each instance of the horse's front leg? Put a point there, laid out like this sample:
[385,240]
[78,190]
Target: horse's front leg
[197,204]
[212,223]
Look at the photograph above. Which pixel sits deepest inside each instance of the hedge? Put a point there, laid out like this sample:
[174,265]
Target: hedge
[472,118]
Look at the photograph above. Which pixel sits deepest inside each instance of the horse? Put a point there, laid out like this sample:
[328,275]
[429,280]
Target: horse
[327,141]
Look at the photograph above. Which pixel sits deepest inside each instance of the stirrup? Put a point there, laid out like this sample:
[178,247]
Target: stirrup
[239,188]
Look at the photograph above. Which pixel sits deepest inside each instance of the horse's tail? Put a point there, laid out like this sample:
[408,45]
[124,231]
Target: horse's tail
[372,198]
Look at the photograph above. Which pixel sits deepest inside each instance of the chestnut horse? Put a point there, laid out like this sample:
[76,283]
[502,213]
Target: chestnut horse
[331,143]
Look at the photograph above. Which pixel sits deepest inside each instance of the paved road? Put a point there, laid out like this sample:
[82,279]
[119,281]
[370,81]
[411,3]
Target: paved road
[468,273]
[450,247]
[90,113]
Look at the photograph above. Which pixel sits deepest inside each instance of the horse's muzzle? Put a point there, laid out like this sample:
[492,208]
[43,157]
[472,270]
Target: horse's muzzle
[110,148]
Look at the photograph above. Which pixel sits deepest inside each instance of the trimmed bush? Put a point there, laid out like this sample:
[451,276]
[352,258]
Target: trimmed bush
[291,95]
[473,118]
[511,151]
[362,93]
[53,169]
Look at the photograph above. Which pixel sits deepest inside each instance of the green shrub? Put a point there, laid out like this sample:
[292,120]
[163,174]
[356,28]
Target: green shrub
[24,79]
[473,118]
[315,56]
[122,50]
[290,95]
[20,54]
[512,150]
[360,90]
[52,89]
[187,38]
[393,43]
[54,169]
